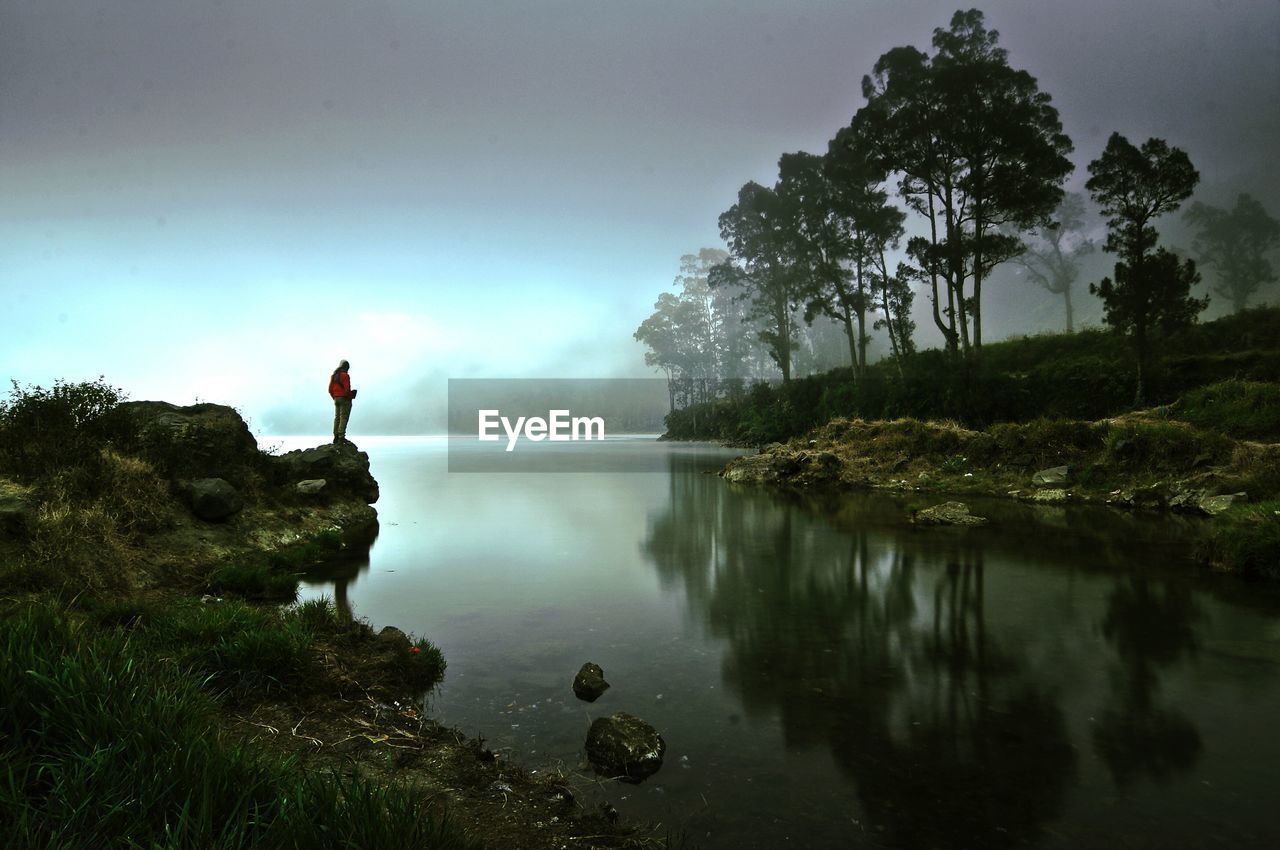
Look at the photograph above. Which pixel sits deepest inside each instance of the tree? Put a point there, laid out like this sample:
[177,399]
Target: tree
[674,334]
[1152,287]
[1052,257]
[760,234]
[1234,244]
[978,148]
[873,224]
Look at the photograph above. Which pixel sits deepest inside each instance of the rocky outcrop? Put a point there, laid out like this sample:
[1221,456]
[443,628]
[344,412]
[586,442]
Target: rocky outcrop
[948,513]
[214,499]
[196,441]
[625,747]
[344,468]
[589,684]
[777,464]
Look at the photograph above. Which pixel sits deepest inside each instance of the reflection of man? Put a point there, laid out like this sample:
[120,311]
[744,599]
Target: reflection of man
[340,390]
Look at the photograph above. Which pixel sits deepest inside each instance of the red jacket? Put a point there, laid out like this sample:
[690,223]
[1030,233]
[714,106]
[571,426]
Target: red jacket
[340,384]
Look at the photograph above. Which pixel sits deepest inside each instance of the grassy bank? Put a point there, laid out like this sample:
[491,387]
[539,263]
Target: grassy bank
[111,736]
[1086,375]
[1138,461]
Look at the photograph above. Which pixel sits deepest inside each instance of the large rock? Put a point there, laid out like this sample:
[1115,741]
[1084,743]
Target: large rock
[589,684]
[949,513]
[196,441]
[625,747]
[344,467]
[214,499]
[1056,476]
[1051,496]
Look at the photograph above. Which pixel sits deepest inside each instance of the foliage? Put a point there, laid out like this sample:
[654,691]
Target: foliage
[1019,380]
[1234,244]
[105,744]
[1242,409]
[1151,288]
[978,147]
[43,431]
[1250,543]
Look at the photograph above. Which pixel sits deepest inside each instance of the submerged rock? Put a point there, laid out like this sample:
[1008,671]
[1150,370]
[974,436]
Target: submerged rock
[949,513]
[589,684]
[625,747]
[1051,495]
[214,499]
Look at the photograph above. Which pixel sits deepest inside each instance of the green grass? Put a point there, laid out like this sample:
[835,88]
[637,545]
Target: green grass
[104,743]
[1242,409]
[1246,540]
[254,580]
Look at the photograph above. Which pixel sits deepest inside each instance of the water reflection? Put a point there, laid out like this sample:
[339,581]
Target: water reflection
[343,572]
[880,650]
[1149,624]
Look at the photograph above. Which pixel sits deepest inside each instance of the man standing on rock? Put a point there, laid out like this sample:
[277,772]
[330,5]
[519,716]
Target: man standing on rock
[340,390]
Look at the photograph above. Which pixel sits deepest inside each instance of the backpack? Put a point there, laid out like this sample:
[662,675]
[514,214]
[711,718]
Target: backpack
[335,386]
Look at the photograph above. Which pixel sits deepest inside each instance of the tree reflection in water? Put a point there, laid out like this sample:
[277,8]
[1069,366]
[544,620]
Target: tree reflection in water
[879,653]
[1149,625]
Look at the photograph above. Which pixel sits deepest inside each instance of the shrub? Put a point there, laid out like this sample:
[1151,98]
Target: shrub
[425,664]
[46,430]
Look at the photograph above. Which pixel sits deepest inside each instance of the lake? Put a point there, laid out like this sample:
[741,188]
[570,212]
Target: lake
[827,675]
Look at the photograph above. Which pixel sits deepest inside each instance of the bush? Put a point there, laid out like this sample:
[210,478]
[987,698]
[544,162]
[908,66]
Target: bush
[426,664]
[43,430]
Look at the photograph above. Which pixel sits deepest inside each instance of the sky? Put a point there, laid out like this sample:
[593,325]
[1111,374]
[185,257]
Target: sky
[217,200]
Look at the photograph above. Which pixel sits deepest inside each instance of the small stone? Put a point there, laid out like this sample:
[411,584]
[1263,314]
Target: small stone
[589,684]
[310,487]
[1052,477]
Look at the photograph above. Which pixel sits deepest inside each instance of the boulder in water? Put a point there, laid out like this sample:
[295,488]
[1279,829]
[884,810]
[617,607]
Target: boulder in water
[589,684]
[625,747]
[949,513]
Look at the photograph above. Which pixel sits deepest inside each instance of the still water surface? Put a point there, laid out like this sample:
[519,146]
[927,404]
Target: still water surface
[826,675]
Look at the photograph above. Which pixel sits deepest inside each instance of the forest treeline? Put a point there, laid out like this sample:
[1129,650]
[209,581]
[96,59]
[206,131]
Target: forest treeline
[955,164]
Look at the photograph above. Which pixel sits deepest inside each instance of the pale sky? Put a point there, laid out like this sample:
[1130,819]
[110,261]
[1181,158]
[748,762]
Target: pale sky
[218,200]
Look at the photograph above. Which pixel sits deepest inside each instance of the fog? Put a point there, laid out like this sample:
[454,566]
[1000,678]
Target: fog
[219,200]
